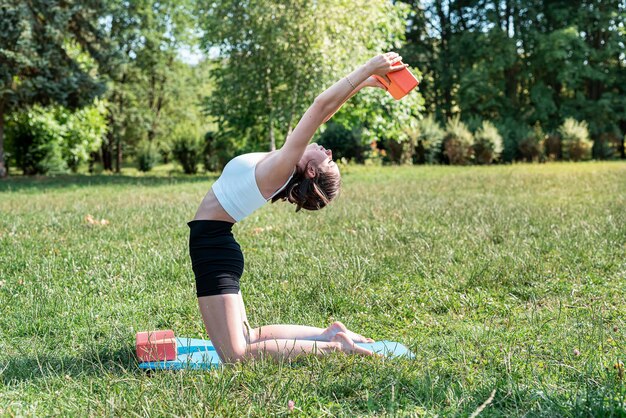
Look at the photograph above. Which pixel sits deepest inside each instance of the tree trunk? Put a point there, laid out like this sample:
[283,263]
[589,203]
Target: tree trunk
[118,139]
[623,147]
[3,167]
[268,87]
[446,78]
[107,146]
[118,160]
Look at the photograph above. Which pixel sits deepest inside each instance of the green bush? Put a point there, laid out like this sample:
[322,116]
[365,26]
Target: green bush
[531,147]
[575,141]
[487,145]
[457,142]
[188,151]
[513,133]
[219,149]
[34,139]
[606,145]
[164,149]
[82,134]
[552,147]
[344,143]
[51,140]
[399,152]
[147,155]
[427,137]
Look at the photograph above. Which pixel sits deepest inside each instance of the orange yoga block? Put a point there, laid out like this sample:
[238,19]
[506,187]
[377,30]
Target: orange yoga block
[155,345]
[402,82]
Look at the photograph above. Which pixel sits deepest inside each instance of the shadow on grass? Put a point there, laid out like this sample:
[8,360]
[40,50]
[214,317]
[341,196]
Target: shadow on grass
[397,391]
[30,368]
[38,183]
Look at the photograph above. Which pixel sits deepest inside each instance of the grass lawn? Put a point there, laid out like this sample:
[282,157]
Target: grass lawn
[509,278]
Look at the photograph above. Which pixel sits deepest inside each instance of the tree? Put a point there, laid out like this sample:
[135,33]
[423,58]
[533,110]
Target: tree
[38,64]
[276,58]
[148,35]
[527,61]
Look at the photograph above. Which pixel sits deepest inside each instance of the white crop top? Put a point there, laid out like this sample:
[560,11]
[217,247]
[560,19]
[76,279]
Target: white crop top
[236,189]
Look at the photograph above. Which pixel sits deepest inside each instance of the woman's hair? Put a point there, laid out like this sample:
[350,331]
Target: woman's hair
[310,193]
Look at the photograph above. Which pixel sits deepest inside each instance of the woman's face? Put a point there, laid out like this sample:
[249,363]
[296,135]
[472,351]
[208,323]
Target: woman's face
[319,158]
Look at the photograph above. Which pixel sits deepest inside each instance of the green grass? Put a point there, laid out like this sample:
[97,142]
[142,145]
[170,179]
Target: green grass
[494,276]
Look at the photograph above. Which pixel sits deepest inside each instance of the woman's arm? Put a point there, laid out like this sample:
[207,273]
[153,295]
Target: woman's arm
[369,82]
[327,103]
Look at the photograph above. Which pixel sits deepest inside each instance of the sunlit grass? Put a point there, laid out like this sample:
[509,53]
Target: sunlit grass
[508,277]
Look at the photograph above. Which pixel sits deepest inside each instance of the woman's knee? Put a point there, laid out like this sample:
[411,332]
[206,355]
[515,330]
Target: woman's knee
[234,354]
[250,334]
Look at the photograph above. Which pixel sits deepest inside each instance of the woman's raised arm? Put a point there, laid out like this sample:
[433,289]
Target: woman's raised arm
[328,102]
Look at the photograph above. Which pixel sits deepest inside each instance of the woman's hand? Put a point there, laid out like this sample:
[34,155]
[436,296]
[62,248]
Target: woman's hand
[373,82]
[385,63]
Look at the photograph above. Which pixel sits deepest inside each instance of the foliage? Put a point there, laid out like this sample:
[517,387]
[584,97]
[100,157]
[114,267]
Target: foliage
[83,131]
[552,147]
[164,147]
[286,56]
[187,150]
[575,140]
[35,139]
[218,151]
[522,62]
[147,155]
[384,119]
[606,145]
[513,134]
[344,142]
[427,137]
[146,80]
[487,145]
[531,147]
[457,142]
[54,139]
[40,62]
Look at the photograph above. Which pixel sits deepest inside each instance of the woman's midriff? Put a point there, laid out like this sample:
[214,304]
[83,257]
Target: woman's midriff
[210,209]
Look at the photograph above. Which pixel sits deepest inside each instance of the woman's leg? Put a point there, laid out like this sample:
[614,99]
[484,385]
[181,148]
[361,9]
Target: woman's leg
[299,332]
[304,332]
[224,322]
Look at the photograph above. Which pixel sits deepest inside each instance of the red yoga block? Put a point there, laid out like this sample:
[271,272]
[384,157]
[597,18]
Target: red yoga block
[155,345]
[402,82]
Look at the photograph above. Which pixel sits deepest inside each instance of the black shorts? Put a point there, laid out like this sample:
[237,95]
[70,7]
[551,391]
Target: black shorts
[216,257]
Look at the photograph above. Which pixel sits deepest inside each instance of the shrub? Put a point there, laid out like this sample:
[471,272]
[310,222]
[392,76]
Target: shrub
[575,141]
[53,139]
[487,145]
[147,156]
[606,146]
[531,147]
[399,152]
[82,134]
[165,151]
[457,142]
[34,138]
[187,149]
[219,149]
[513,133]
[344,143]
[426,137]
[552,147]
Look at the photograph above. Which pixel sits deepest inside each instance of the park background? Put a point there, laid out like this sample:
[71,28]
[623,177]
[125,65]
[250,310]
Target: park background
[91,86]
[481,220]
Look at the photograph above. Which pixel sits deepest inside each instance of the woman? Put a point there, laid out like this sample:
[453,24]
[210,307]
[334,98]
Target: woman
[302,174]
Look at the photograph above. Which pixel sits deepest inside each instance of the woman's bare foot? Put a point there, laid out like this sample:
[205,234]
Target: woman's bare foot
[337,327]
[348,346]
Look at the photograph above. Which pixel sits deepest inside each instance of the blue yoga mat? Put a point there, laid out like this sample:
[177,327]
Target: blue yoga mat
[194,353]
